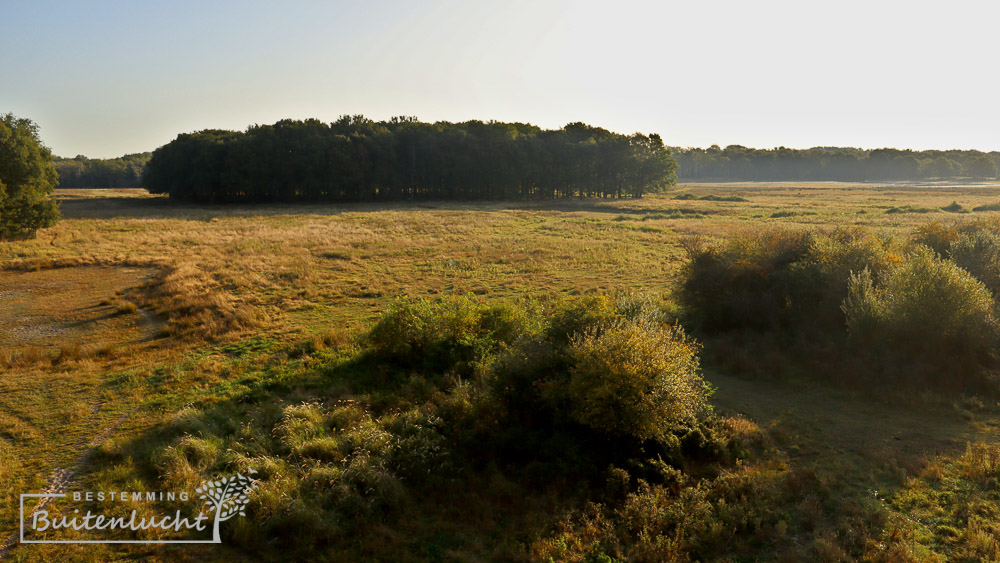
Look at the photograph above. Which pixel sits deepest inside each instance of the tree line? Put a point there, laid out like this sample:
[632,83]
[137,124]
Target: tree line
[83,172]
[358,159]
[737,162]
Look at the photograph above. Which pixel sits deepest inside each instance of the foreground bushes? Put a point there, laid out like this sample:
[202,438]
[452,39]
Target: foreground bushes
[612,365]
[918,314]
[521,404]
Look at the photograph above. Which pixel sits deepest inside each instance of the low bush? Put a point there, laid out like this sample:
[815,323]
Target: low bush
[922,316]
[978,252]
[753,280]
[936,236]
[609,377]
[634,379]
[449,336]
[927,311]
[778,279]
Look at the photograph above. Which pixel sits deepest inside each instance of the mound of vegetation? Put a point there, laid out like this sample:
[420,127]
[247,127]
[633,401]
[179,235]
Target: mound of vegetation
[711,197]
[356,159]
[928,315]
[987,207]
[954,207]
[849,305]
[777,279]
[910,209]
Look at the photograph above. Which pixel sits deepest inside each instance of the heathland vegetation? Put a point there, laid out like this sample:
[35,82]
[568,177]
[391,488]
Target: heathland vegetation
[555,381]
[357,159]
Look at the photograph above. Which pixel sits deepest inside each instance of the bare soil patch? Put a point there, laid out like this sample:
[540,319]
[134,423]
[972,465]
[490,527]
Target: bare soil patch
[67,306]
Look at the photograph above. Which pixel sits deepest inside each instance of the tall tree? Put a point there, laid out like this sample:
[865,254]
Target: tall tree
[27,178]
[981,167]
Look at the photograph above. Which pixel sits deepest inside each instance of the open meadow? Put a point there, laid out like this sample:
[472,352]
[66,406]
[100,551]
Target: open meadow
[147,344]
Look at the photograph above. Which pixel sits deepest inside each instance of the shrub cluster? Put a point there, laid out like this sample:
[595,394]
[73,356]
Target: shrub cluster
[612,365]
[777,279]
[442,396]
[927,309]
[918,314]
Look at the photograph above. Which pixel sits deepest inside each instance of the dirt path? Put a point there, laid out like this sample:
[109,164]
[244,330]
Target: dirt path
[63,478]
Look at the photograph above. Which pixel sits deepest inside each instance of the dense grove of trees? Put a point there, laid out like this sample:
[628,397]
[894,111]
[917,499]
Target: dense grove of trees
[357,159]
[83,172]
[736,162]
[26,180]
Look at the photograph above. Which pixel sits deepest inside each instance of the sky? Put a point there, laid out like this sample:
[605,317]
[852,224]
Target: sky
[104,78]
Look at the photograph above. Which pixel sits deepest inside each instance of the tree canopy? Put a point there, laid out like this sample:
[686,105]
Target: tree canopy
[737,162]
[83,172]
[357,159]
[27,178]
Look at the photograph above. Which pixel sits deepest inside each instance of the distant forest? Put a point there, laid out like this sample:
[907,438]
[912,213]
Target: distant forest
[357,159]
[736,162]
[83,172]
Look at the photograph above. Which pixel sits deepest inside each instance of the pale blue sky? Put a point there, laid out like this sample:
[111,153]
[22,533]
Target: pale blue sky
[107,78]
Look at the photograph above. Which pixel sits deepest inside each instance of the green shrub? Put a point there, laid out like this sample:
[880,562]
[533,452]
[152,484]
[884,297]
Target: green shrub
[777,279]
[405,329]
[978,252]
[578,316]
[852,249]
[752,280]
[608,370]
[574,317]
[421,451]
[634,379]
[936,236]
[928,310]
[449,336]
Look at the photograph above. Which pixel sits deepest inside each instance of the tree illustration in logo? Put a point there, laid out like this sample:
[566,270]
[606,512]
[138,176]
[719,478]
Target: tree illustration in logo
[228,497]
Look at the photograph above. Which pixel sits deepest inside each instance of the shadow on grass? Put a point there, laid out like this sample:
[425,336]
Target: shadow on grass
[130,207]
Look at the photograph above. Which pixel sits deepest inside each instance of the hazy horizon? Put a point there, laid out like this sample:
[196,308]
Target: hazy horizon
[111,78]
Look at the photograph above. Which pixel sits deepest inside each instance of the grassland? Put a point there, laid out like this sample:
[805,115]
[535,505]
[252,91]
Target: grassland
[134,312]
